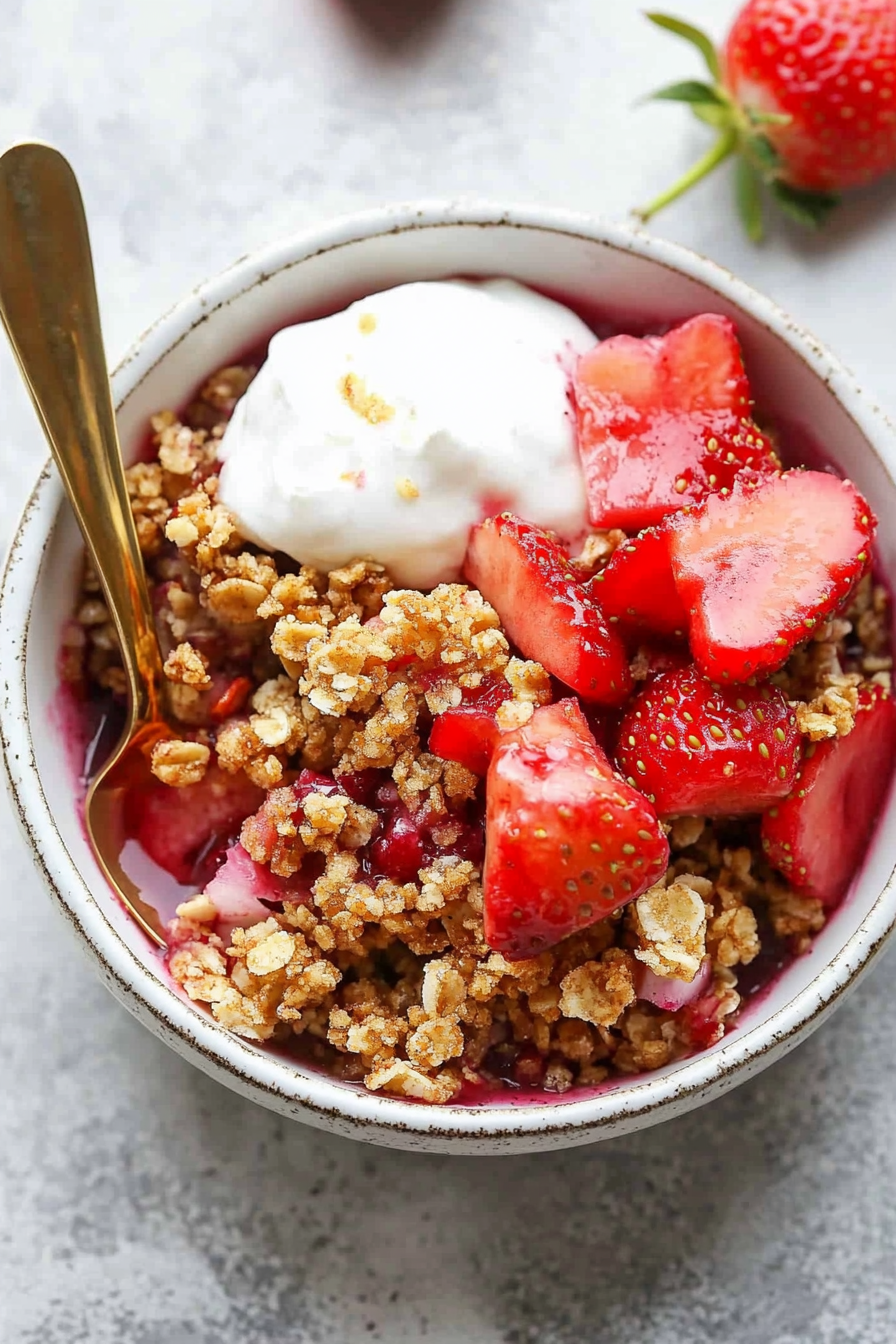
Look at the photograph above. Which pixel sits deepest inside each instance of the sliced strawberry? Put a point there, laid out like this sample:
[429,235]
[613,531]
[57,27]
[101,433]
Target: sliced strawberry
[545,609]
[567,841]
[817,837]
[664,420]
[637,589]
[761,567]
[468,732]
[703,367]
[180,828]
[701,750]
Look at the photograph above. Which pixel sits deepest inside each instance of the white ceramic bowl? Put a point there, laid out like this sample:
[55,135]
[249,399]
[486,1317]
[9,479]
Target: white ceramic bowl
[624,271]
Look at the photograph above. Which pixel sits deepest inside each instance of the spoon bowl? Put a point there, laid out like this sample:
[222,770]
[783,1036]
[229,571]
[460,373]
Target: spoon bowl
[49,309]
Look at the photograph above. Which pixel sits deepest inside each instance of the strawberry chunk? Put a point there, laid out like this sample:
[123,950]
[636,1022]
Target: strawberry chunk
[817,837]
[702,1022]
[702,750]
[759,569]
[180,828]
[566,840]
[637,588]
[468,732]
[545,609]
[231,700]
[400,851]
[664,420]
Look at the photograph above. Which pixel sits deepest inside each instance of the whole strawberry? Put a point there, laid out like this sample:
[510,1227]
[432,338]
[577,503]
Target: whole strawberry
[804,93]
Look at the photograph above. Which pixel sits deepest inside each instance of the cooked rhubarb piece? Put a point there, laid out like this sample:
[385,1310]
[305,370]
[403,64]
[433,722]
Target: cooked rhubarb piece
[239,887]
[670,993]
[232,699]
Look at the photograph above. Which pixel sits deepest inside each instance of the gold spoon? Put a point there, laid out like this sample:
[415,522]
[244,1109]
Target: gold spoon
[49,309]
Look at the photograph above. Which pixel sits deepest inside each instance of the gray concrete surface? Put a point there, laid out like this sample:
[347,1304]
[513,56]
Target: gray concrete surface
[140,1203]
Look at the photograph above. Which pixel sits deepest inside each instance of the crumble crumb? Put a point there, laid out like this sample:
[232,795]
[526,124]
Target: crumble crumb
[443,990]
[369,405]
[832,712]
[598,991]
[406,489]
[639,666]
[794,916]
[150,505]
[732,937]
[514,714]
[671,925]
[187,666]
[529,681]
[686,831]
[646,1044]
[180,763]
[223,390]
[199,909]
[597,550]
[434,1042]
[285,830]
[182,531]
[401,1080]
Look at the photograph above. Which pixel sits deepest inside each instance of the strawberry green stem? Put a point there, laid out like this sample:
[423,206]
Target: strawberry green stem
[723,148]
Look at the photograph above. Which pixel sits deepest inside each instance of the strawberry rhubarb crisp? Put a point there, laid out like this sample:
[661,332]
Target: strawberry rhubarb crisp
[529,714]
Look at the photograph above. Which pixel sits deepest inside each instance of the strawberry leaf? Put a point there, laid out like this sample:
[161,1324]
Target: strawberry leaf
[688,91]
[689,33]
[764,156]
[749,199]
[809,208]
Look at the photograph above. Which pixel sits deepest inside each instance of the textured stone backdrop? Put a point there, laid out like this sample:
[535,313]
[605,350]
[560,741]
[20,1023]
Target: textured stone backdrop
[140,1203]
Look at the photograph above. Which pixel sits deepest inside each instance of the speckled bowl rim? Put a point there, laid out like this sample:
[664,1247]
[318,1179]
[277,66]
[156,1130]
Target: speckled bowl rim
[266,1078]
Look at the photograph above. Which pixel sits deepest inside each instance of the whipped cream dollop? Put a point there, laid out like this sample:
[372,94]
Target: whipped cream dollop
[388,430]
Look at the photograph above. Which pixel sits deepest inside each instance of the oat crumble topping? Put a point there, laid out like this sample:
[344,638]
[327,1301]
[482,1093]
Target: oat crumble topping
[391,983]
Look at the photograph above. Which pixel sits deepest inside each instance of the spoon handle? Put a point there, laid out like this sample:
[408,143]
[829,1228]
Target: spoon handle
[48,306]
